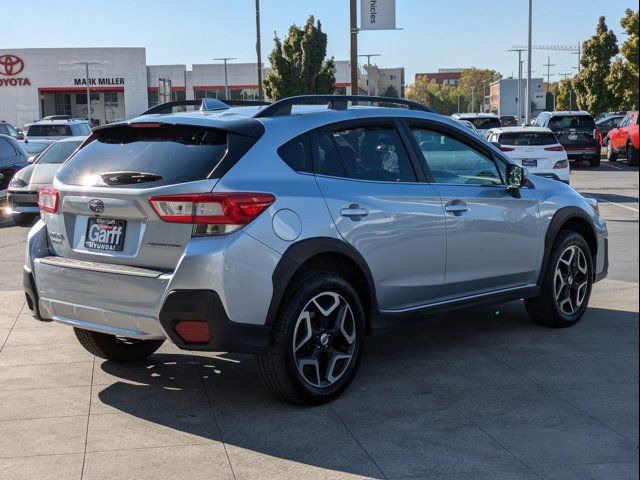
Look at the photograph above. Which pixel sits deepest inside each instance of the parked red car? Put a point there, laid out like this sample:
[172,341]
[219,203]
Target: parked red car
[624,140]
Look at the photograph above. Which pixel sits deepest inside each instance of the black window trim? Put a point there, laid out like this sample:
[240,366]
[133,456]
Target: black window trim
[353,123]
[462,137]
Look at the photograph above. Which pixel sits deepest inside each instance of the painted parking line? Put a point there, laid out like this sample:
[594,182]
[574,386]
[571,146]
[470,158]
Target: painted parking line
[617,204]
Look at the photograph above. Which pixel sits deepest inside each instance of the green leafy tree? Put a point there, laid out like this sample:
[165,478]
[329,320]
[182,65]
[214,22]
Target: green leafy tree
[622,80]
[591,83]
[441,98]
[391,92]
[566,95]
[474,82]
[298,63]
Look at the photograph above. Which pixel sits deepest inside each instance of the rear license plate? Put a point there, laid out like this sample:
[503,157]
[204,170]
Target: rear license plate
[105,234]
[573,137]
[530,163]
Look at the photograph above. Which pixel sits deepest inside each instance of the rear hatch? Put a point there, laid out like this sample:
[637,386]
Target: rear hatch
[574,131]
[532,149]
[103,210]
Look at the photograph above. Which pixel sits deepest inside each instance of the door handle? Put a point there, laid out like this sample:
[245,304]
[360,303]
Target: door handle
[354,211]
[456,207]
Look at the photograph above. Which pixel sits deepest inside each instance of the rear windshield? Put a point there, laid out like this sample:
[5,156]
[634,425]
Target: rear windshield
[167,154]
[34,148]
[80,129]
[485,123]
[582,122]
[528,138]
[49,131]
[58,152]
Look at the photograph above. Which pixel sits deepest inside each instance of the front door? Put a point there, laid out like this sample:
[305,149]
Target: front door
[493,238]
[378,206]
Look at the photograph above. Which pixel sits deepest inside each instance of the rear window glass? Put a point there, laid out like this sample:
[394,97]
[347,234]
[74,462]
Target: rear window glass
[165,154]
[572,121]
[80,129]
[297,154]
[58,152]
[485,123]
[34,148]
[528,138]
[49,131]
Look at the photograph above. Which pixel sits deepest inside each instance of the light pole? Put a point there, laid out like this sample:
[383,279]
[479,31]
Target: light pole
[353,30]
[259,52]
[519,94]
[473,99]
[459,95]
[226,79]
[86,72]
[527,115]
[369,55]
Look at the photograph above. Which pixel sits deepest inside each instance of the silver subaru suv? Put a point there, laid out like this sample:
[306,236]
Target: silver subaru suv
[294,230]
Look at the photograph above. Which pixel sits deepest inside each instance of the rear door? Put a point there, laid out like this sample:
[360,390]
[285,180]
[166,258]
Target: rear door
[382,208]
[493,238]
[619,135]
[104,213]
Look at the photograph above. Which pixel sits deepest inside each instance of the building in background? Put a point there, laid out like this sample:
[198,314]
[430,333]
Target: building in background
[504,96]
[38,82]
[444,76]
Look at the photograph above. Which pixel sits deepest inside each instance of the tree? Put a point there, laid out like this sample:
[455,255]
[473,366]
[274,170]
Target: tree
[473,84]
[566,95]
[298,63]
[622,80]
[391,92]
[591,82]
[441,98]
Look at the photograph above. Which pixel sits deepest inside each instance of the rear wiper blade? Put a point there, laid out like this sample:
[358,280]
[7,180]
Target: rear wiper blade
[122,178]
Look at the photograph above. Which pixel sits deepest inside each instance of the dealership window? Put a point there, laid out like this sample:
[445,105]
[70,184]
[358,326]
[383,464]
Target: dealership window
[63,104]
[178,95]
[81,98]
[234,94]
[152,96]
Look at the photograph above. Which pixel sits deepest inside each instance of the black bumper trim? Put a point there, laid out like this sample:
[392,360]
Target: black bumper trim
[206,306]
[605,271]
[29,286]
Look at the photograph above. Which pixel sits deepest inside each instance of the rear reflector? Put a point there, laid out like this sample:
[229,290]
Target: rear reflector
[220,213]
[193,331]
[48,198]
[506,149]
[557,148]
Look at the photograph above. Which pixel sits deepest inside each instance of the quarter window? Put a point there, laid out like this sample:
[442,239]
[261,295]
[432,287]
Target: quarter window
[297,154]
[453,162]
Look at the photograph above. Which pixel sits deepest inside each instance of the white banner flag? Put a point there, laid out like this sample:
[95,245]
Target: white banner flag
[378,14]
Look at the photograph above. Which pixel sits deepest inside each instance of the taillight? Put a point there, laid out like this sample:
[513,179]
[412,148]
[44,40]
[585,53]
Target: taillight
[506,149]
[561,165]
[557,148]
[212,213]
[597,134]
[48,198]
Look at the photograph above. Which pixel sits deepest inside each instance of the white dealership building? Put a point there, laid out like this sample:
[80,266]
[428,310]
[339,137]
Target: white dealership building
[37,82]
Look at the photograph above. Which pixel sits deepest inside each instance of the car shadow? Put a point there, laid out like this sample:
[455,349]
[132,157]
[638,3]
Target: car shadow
[213,397]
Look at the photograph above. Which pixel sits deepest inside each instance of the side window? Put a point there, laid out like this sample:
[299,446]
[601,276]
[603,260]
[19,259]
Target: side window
[297,154]
[453,162]
[326,155]
[7,152]
[374,152]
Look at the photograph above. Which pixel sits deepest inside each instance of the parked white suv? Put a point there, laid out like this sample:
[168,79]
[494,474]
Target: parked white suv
[535,148]
[57,127]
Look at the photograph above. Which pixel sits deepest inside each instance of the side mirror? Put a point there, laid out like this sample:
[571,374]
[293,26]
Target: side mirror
[32,158]
[517,176]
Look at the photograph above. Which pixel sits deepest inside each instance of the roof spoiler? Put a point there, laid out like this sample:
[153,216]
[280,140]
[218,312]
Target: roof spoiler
[334,102]
[206,105]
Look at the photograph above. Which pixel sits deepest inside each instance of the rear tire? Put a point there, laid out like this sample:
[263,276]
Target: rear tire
[23,219]
[567,283]
[611,155]
[632,155]
[115,349]
[594,162]
[316,341]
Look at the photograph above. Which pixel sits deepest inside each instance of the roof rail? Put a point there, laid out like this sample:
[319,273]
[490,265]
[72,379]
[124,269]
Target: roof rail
[334,102]
[206,105]
[57,117]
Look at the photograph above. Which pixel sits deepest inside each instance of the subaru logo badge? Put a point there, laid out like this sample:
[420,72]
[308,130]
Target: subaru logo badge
[96,206]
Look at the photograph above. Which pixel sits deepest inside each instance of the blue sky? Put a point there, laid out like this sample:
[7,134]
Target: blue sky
[436,34]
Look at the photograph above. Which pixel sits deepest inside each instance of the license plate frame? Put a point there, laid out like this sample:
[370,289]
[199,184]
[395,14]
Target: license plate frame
[105,234]
[530,163]
[573,137]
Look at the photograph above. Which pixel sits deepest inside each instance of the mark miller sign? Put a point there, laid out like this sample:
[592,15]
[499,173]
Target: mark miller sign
[378,15]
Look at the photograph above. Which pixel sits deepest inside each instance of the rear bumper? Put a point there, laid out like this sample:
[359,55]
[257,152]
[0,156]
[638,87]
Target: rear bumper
[22,202]
[147,304]
[582,155]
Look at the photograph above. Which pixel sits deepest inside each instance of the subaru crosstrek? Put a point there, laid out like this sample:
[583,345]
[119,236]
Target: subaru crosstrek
[294,231]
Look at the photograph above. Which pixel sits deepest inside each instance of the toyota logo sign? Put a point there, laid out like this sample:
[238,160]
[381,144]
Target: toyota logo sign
[10,65]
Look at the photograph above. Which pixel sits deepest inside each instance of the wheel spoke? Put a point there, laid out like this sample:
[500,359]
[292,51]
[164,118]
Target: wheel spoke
[310,362]
[341,328]
[581,292]
[304,321]
[332,376]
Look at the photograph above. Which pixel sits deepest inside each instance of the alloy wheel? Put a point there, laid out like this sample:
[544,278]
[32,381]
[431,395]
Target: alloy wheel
[571,280]
[324,339]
